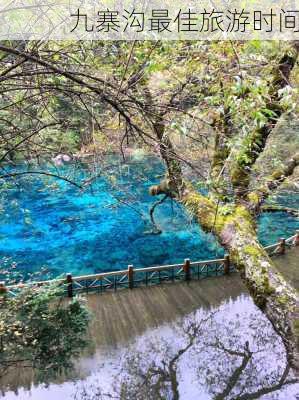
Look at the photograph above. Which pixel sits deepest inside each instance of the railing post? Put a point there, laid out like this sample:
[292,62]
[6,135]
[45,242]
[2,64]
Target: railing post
[282,246]
[131,276]
[69,281]
[226,264]
[187,269]
[3,288]
[296,239]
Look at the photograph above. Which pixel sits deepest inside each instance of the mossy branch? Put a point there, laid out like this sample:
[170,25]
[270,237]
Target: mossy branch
[277,208]
[258,196]
[254,143]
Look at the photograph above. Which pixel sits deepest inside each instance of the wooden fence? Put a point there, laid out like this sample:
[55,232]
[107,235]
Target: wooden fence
[136,277]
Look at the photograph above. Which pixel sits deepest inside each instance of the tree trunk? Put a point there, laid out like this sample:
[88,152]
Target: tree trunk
[270,291]
[173,183]
[235,229]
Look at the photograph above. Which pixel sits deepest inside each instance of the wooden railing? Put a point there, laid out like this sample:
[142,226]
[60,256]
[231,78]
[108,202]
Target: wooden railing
[280,247]
[136,277]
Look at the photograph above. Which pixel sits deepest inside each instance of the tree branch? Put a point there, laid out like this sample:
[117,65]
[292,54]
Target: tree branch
[257,395]
[254,143]
[152,210]
[25,139]
[234,378]
[258,196]
[277,208]
[16,174]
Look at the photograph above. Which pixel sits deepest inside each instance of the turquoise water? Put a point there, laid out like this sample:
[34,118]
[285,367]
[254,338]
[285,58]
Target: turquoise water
[49,227]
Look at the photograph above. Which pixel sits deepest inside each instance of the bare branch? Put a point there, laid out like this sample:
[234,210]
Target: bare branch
[16,174]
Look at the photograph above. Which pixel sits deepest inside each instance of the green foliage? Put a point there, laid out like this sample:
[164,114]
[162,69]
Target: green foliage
[41,330]
[204,77]
[226,209]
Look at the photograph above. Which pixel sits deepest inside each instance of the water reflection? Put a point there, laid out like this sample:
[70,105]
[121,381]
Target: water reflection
[226,352]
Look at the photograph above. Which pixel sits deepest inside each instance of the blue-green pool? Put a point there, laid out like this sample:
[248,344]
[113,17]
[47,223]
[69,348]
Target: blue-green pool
[49,227]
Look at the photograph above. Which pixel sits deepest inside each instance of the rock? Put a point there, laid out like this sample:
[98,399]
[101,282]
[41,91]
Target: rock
[61,159]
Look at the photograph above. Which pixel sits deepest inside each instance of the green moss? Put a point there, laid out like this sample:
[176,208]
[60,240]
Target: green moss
[253,197]
[284,299]
[220,155]
[226,210]
[263,287]
[252,251]
[276,174]
[239,175]
[200,206]
[238,216]
[268,289]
